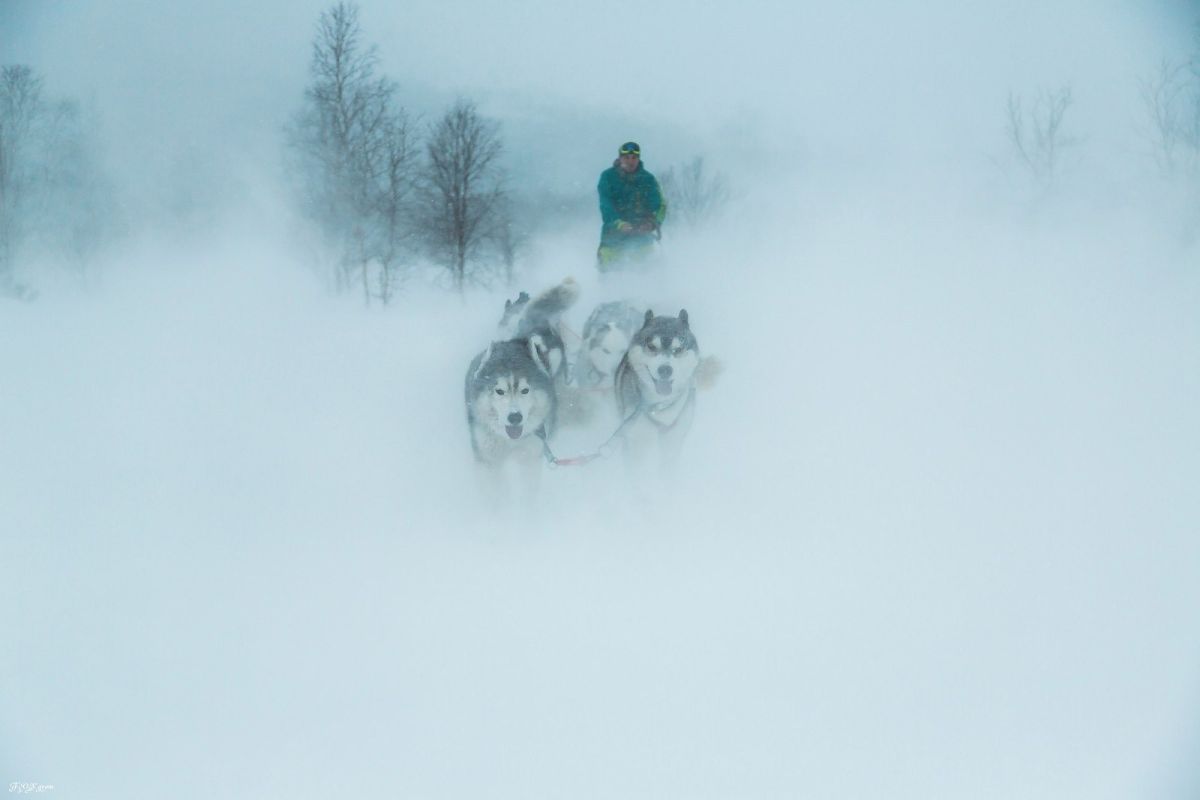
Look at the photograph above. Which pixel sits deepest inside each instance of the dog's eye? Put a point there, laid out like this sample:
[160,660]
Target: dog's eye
[651,349]
[499,391]
[677,351]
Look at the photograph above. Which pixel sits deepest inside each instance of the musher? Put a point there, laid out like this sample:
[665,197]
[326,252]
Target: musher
[632,210]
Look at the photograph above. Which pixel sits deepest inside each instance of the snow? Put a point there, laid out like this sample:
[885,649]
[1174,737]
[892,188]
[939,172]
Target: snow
[936,536]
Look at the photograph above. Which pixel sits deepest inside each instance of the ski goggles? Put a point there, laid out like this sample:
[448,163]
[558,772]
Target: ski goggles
[630,149]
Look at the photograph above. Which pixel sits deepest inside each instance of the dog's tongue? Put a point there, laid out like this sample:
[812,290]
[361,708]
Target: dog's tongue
[513,431]
[662,386]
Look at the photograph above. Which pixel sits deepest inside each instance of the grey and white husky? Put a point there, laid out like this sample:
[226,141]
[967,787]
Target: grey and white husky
[511,403]
[656,388]
[511,399]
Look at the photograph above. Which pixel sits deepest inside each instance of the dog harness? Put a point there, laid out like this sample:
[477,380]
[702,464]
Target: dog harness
[652,412]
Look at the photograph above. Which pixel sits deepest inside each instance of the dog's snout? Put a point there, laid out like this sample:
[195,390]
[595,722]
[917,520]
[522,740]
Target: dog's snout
[664,371]
[514,418]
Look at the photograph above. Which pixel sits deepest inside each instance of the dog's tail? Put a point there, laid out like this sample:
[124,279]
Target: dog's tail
[513,309]
[543,310]
[554,301]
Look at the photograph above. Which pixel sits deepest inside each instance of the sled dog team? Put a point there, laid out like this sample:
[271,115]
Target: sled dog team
[645,366]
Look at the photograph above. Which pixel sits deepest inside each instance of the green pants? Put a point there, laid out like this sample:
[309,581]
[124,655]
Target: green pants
[613,256]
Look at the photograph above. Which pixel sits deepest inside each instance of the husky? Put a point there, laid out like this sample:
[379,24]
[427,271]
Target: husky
[597,353]
[655,386]
[606,337]
[511,398]
[511,404]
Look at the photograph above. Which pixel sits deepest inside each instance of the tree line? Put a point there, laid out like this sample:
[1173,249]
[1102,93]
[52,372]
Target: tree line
[385,192]
[54,198]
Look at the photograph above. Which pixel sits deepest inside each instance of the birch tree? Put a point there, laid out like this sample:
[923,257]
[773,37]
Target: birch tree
[1036,134]
[354,157]
[694,196]
[462,191]
[54,200]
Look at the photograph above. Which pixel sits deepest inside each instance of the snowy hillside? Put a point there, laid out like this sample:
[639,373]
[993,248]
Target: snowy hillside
[936,539]
[937,534]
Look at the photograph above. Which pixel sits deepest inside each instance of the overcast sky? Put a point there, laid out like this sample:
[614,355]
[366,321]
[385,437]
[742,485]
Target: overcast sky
[874,82]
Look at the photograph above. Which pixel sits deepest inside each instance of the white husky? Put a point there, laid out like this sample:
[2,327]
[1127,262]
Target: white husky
[588,400]
[606,337]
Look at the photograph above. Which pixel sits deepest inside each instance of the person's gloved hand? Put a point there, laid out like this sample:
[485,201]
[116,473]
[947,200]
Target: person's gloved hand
[623,227]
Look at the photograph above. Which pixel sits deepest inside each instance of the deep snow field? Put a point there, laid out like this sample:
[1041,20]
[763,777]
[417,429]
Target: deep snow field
[937,531]
[936,536]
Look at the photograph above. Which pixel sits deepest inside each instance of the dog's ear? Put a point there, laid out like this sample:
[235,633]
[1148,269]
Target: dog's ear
[487,355]
[521,300]
[540,352]
[649,316]
[683,316]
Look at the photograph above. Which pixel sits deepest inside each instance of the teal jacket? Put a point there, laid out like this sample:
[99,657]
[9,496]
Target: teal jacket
[632,197]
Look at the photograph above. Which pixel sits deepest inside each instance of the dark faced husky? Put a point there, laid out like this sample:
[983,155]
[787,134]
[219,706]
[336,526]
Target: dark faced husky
[511,399]
[510,403]
[656,388]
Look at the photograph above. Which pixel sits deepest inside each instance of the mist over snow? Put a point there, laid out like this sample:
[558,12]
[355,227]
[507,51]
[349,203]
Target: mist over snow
[937,532]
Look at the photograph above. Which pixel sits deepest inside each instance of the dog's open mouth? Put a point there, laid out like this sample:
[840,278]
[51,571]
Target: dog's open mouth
[513,431]
[663,385]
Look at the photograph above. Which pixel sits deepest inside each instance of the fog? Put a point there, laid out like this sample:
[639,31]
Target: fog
[935,535]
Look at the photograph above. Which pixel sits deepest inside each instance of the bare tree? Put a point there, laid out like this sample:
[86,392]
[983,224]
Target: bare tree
[20,108]
[354,156]
[508,237]
[77,214]
[462,191]
[693,196]
[1171,98]
[1038,140]
[52,194]
[393,209]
